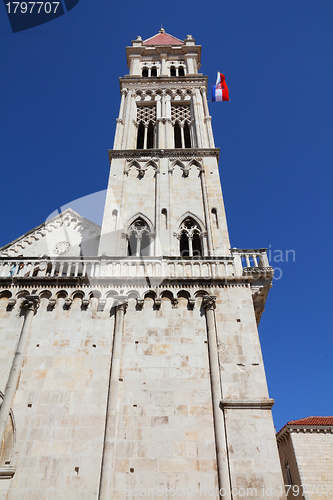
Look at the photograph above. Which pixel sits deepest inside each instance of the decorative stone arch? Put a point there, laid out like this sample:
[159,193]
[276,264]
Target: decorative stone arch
[196,163]
[191,236]
[133,164]
[178,163]
[139,236]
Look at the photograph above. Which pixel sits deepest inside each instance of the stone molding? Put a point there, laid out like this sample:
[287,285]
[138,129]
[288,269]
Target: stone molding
[7,472]
[263,404]
[130,154]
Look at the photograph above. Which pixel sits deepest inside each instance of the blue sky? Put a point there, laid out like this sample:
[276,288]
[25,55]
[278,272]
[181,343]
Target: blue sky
[59,102]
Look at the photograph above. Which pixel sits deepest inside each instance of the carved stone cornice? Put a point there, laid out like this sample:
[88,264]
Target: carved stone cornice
[209,302]
[175,154]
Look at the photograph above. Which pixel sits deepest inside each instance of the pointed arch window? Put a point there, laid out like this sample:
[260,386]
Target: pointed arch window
[190,238]
[139,238]
[181,120]
[145,120]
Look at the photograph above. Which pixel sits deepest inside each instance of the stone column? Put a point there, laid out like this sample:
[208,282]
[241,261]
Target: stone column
[209,304]
[30,303]
[207,119]
[105,490]
[120,121]
[206,210]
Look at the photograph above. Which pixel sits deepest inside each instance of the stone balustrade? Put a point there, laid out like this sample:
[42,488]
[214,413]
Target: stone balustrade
[239,263]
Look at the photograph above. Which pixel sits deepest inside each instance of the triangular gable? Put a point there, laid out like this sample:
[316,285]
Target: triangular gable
[66,234]
[163,38]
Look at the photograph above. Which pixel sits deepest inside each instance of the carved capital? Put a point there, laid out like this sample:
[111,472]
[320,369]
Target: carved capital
[31,302]
[120,120]
[121,303]
[11,303]
[139,303]
[209,302]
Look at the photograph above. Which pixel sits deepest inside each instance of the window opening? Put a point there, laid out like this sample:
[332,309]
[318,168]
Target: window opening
[145,72]
[187,135]
[165,215]
[173,71]
[178,135]
[153,71]
[139,238]
[150,136]
[181,71]
[190,238]
[181,120]
[214,212]
[146,119]
[141,136]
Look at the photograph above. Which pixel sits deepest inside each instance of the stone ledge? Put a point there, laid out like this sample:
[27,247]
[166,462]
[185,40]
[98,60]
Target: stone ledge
[7,472]
[264,404]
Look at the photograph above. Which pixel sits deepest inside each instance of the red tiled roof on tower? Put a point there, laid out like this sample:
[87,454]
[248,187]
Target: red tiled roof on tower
[312,421]
[163,38]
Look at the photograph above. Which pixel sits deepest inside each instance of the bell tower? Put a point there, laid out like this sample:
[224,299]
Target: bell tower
[164,166]
[188,406]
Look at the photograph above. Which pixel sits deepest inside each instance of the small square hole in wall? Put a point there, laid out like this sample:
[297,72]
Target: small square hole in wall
[7,462]
[238,320]
[29,405]
[37,345]
[77,470]
[94,345]
[131,469]
[121,380]
[135,406]
[136,341]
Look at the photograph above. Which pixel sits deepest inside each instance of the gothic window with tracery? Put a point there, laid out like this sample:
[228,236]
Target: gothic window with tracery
[145,119]
[190,238]
[139,238]
[181,120]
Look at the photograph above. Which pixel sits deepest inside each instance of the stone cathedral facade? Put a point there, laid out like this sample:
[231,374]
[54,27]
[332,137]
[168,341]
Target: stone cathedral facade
[130,357]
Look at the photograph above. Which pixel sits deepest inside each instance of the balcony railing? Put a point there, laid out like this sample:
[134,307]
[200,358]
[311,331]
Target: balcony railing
[239,263]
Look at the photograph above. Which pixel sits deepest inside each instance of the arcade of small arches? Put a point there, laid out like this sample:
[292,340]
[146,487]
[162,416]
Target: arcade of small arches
[107,299]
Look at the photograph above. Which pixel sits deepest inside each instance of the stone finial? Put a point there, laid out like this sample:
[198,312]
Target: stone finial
[209,302]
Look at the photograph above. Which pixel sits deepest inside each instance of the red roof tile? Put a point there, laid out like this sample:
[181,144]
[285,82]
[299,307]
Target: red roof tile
[312,421]
[163,38]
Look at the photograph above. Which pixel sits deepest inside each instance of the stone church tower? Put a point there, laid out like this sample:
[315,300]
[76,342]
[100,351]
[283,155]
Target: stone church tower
[130,360]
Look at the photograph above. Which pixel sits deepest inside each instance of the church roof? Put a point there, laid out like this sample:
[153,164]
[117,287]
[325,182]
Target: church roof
[306,422]
[162,38]
[312,421]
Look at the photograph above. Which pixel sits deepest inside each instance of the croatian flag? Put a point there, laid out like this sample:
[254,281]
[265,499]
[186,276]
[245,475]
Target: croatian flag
[220,91]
